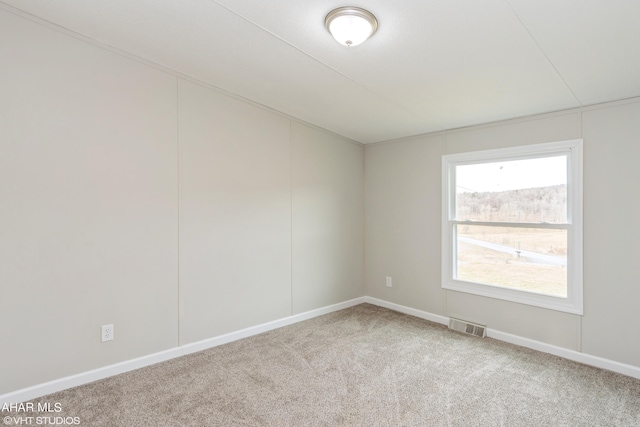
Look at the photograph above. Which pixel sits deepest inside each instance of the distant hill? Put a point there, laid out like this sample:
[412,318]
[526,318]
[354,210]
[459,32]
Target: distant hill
[544,204]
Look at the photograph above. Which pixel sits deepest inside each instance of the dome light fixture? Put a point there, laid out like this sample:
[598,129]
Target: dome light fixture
[350,25]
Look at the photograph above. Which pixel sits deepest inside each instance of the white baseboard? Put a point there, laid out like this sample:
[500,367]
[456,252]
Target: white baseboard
[576,356]
[151,359]
[407,310]
[130,365]
[255,330]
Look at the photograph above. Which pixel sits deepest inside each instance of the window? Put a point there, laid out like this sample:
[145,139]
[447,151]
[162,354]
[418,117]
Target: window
[512,224]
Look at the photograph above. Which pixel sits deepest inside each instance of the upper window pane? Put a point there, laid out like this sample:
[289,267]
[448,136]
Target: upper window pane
[526,190]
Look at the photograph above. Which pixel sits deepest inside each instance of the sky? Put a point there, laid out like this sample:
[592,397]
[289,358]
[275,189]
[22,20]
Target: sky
[512,174]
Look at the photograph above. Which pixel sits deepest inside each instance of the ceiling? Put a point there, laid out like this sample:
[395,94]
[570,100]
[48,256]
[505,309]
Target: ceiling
[432,65]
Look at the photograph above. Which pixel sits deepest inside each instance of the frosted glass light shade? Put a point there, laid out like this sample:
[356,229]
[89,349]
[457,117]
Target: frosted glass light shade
[351,26]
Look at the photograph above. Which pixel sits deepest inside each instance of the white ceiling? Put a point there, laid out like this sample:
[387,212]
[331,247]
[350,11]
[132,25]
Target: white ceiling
[432,65]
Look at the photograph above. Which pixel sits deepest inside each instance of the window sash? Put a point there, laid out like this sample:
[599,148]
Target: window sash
[573,150]
[546,225]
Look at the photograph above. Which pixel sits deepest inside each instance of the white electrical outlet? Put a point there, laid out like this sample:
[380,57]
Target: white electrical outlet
[389,282]
[107,333]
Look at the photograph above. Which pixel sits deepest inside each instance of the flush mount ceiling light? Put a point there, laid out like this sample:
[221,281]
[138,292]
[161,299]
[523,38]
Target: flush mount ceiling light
[351,26]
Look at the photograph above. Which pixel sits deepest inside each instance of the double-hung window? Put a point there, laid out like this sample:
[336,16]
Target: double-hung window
[512,224]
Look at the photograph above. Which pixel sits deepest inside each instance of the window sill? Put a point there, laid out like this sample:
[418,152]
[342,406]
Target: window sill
[572,304]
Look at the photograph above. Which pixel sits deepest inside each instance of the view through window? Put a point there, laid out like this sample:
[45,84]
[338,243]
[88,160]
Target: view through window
[530,194]
[512,224]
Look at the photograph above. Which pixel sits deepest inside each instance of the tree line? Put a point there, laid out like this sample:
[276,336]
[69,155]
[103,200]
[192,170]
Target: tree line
[542,204]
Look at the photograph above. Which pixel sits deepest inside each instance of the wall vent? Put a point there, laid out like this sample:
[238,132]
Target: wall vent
[467,327]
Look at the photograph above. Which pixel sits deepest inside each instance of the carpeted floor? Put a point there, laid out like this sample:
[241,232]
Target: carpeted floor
[363,366]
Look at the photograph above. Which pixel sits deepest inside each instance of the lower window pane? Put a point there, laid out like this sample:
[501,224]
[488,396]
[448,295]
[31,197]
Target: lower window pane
[529,259]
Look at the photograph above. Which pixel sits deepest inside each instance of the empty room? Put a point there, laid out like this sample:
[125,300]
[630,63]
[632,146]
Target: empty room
[317,213]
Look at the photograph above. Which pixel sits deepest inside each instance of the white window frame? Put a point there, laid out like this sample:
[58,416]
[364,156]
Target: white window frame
[573,303]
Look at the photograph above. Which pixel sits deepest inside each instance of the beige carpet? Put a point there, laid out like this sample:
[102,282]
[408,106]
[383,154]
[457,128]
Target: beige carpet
[363,366]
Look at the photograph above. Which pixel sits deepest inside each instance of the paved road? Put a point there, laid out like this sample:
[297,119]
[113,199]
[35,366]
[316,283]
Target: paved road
[534,256]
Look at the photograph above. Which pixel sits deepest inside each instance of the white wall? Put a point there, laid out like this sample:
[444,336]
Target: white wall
[131,196]
[328,219]
[88,206]
[235,214]
[611,239]
[403,194]
[403,222]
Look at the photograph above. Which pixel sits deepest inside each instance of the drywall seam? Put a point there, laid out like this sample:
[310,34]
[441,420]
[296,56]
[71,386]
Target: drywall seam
[179,177]
[542,51]
[291,312]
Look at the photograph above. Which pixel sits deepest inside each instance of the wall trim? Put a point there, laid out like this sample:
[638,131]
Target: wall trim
[436,318]
[576,356]
[151,359]
[60,384]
